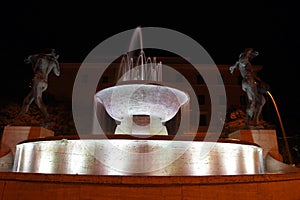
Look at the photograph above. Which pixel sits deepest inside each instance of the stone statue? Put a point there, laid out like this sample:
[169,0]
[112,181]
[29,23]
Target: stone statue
[252,85]
[42,64]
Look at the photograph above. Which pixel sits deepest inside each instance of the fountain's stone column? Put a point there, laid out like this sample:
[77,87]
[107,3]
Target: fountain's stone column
[267,139]
[141,125]
[6,159]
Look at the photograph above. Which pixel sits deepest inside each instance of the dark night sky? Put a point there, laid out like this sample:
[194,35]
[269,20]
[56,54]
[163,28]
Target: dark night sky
[223,29]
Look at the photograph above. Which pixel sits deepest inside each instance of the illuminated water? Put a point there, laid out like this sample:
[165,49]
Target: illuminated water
[139,67]
[132,98]
[282,128]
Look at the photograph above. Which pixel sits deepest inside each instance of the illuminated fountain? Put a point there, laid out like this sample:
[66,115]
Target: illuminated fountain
[152,104]
[142,160]
[141,105]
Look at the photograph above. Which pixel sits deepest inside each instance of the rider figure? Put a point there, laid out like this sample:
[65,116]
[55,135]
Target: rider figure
[42,64]
[251,84]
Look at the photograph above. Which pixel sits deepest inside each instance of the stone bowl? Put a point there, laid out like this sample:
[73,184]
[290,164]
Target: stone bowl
[126,100]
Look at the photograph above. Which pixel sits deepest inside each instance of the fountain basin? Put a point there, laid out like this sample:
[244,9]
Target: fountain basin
[162,102]
[123,155]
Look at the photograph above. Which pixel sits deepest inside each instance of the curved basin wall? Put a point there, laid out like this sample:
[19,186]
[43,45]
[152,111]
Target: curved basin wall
[138,157]
[141,99]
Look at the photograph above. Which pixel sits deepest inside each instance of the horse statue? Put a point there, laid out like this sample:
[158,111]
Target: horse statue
[42,64]
[254,87]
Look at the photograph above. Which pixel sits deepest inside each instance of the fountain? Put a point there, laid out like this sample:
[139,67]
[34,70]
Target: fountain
[141,103]
[141,154]
[154,104]
[140,95]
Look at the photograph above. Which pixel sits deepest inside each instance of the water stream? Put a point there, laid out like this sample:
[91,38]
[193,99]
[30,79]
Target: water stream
[138,67]
[282,129]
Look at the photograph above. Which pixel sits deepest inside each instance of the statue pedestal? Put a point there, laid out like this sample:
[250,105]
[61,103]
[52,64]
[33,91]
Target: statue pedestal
[267,139]
[6,159]
[12,135]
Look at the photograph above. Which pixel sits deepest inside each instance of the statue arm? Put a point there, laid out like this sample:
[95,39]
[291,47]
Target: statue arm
[31,59]
[56,69]
[27,60]
[231,68]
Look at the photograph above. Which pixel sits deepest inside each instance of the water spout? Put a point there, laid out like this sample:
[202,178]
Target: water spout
[282,129]
[138,107]
[138,67]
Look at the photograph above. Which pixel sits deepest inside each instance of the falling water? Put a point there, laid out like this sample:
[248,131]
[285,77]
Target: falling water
[282,128]
[141,68]
[135,65]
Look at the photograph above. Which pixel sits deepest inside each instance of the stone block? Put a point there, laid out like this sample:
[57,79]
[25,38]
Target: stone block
[12,135]
[265,138]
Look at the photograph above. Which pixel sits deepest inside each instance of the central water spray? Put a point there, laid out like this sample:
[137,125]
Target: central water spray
[140,103]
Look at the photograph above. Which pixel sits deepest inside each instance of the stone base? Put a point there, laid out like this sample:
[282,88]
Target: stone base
[267,139]
[95,187]
[6,159]
[136,156]
[12,135]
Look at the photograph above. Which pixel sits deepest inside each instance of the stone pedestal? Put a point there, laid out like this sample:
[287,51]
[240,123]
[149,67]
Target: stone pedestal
[267,139]
[12,135]
[6,158]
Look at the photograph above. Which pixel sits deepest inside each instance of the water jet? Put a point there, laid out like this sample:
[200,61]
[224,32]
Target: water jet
[290,160]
